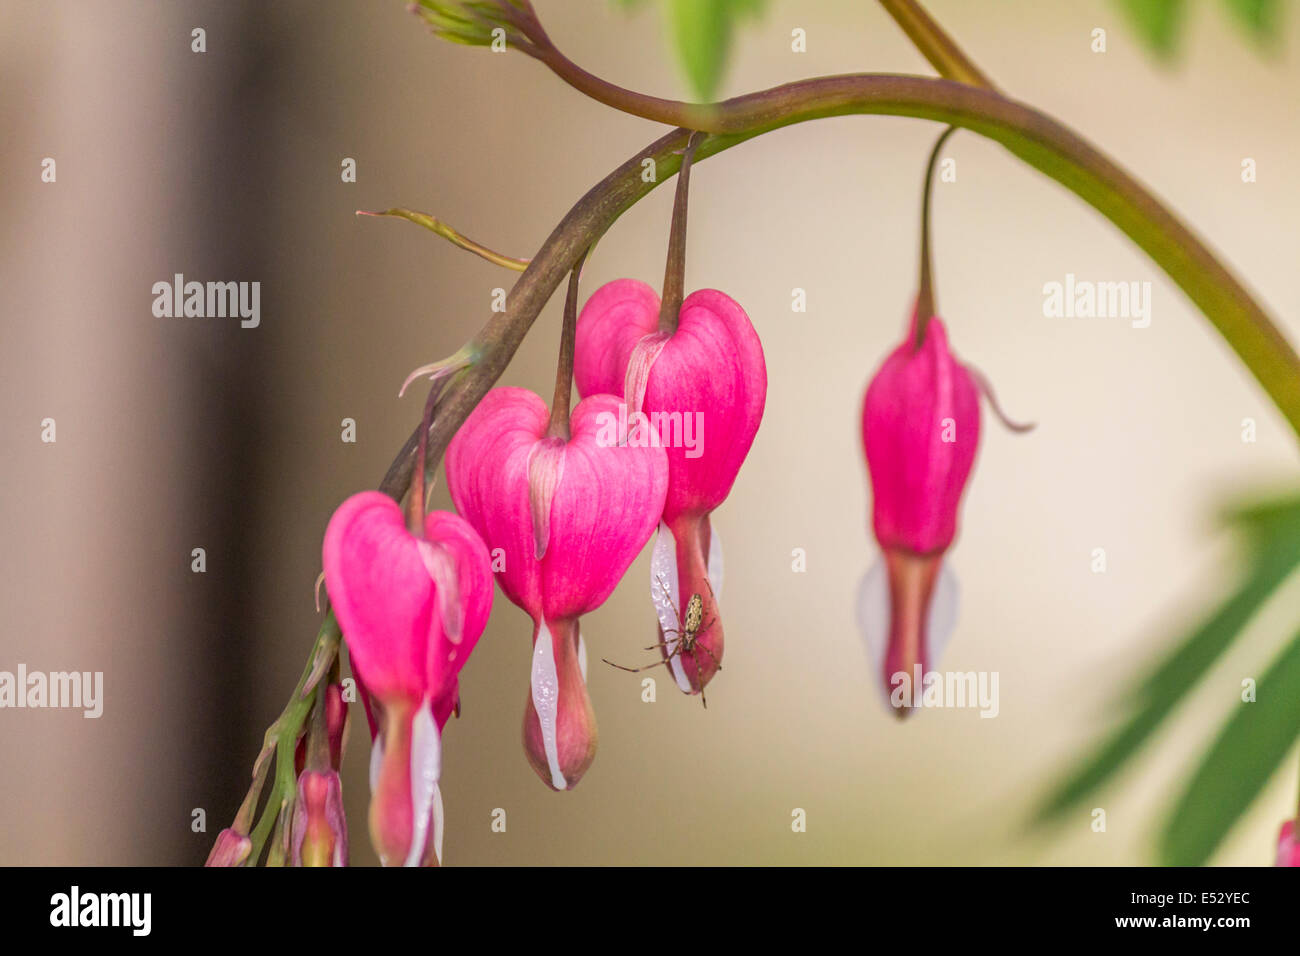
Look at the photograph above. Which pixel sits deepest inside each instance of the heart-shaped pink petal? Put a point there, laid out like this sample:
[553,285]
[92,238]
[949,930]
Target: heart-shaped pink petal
[383,593]
[708,382]
[601,510]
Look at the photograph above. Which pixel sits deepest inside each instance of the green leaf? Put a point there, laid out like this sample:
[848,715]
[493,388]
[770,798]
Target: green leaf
[1165,687]
[1246,753]
[702,32]
[1157,23]
[1272,530]
[1259,17]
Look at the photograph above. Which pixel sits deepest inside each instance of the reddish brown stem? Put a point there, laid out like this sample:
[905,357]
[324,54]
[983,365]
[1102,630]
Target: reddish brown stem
[559,424]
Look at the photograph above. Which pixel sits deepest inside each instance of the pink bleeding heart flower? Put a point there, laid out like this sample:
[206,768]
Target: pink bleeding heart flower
[569,517]
[699,392]
[411,609]
[920,430]
[1288,847]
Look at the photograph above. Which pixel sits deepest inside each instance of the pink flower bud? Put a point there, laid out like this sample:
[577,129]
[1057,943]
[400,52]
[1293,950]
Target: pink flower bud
[920,429]
[230,849]
[320,830]
[702,389]
[569,517]
[1288,847]
[411,609]
[336,726]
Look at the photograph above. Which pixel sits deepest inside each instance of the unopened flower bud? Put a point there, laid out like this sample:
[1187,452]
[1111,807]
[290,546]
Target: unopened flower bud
[320,831]
[231,849]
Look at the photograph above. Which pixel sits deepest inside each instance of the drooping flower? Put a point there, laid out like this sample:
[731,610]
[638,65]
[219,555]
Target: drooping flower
[1288,847]
[568,517]
[411,608]
[920,430]
[698,391]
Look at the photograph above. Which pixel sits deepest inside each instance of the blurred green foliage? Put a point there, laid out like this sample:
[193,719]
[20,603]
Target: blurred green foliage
[1159,23]
[702,31]
[1252,742]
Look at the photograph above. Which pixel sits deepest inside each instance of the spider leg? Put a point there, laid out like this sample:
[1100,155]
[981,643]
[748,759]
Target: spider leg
[660,644]
[633,670]
[705,648]
[703,699]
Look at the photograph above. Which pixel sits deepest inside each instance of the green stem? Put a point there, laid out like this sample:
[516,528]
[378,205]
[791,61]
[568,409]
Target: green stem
[559,423]
[1028,134]
[282,736]
[674,290]
[935,45]
[925,304]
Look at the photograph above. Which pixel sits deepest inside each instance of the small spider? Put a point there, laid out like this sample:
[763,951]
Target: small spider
[688,642]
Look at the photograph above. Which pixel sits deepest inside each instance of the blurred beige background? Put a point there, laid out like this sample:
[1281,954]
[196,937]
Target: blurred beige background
[175,434]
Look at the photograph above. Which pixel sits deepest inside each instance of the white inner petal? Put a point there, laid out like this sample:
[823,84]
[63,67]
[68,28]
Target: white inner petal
[663,594]
[873,616]
[426,767]
[582,657]
[546,701]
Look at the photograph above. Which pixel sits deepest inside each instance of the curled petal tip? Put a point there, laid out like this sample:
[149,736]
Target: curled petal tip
[320,579]
[986,389]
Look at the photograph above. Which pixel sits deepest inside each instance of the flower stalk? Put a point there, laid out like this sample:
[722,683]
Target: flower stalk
[925,301]
[670,305]
[559,422]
